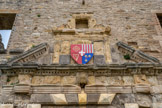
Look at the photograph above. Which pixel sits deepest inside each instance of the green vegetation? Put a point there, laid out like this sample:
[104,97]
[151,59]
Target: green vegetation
[127,57]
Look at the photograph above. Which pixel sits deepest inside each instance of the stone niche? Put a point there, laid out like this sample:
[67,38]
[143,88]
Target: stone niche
[81,29]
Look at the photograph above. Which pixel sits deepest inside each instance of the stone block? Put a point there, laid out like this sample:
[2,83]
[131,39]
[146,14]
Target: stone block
[65,47]
[121,89]
[121,99]
[6,106]
[156,89]
[82,98]
[91,80]
[34,106]
[98,48]
[101,80]
[141,89]
[99,60]
[144,100]
[131,105]
[157,98]
[128,80]
[72,98]
[59,99]
[22,89]
[56,53]
[152,80]
[41,98]
[52,80]
[141,80]
[42,89]
[68,80]
[24,79]
[71,89]
[37,80]
[12,80]
[95,89]
[7,95]
[157,105]
[92,98]
[64,59]
[106,98]
[115,80]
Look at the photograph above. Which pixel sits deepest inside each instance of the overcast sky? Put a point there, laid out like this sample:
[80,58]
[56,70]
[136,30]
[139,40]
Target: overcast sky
[5,36]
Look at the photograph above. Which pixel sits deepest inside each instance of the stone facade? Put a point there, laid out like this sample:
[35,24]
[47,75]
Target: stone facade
[37,70]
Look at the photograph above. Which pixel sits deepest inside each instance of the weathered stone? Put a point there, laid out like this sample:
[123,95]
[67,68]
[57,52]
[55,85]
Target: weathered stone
[6,106]
[119,89]
[131,105]
[64,59]
[115,80]
[37,80]
[124,98]
[98,48]
[65,48]
[95,89]
[92,98]
[141,89]
[71,89]
[152,80]
[59,99]
[156,89]
[128,80]
[72,98]
[91,80]
[42,89]
[99,60]
[12,80]
[101,80]
[24,79]
[143,100]
[82,98]
[56,53]
[34,106]
[16,51]
[41,98]
[22,89]
[141,79]
[52,80]
[157,105]
[68,80]
[106,98]
[157,98]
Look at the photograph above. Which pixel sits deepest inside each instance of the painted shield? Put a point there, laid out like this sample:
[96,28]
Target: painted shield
[82,53]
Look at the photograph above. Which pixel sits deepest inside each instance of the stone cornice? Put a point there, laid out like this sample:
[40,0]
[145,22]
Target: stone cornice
[63,70]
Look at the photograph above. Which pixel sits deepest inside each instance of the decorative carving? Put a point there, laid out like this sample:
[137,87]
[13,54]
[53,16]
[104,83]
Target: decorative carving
[72,27]
[135,55]
[30,55]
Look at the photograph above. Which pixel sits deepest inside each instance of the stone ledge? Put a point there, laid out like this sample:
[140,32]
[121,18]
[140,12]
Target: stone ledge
[22,89]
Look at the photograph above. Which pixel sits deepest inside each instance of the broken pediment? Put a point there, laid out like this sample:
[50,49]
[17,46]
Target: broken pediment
[81,23]
[32,55]
[130,53]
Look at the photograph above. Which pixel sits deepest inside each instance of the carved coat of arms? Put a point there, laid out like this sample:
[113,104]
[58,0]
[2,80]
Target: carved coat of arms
[82,53]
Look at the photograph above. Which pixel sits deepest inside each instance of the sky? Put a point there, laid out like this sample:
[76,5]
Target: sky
[5,36]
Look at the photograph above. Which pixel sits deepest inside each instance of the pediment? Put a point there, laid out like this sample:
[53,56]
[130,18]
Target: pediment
[31,55]
[132,54]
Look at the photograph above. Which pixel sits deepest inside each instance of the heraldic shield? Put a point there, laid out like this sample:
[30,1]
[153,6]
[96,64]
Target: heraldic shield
[82,53]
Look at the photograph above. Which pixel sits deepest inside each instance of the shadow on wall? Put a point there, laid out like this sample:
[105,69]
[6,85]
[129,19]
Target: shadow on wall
[5,37]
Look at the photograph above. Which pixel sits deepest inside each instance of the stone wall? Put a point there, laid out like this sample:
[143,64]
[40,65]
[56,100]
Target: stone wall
[130,21]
